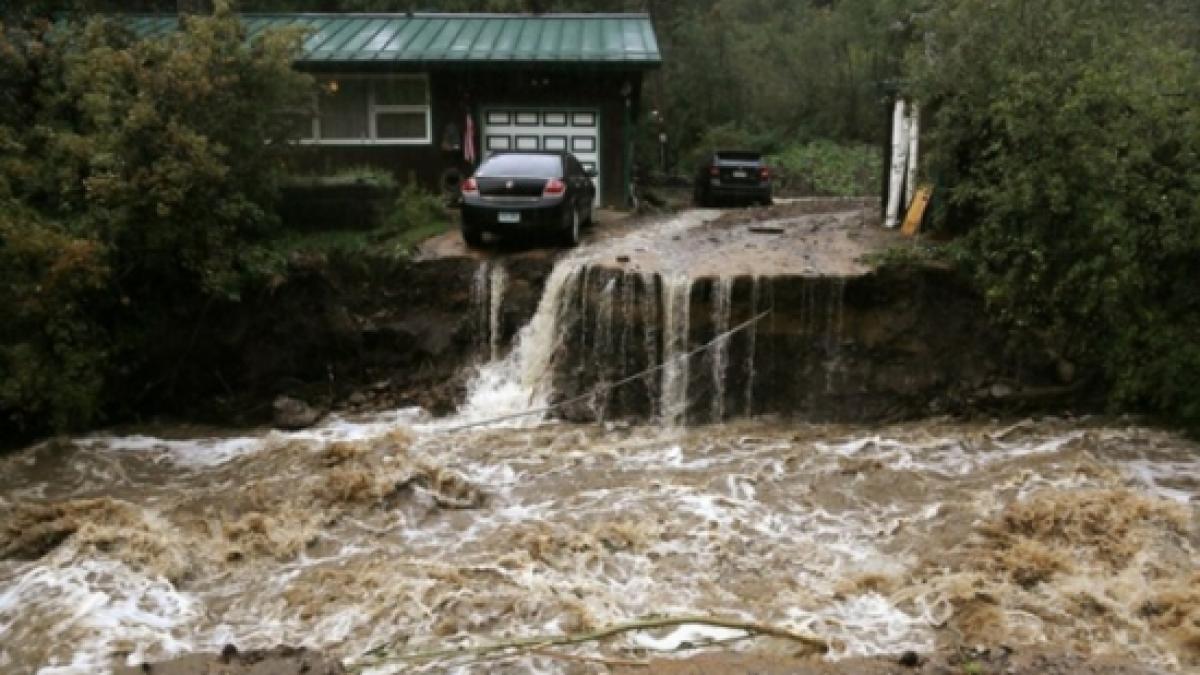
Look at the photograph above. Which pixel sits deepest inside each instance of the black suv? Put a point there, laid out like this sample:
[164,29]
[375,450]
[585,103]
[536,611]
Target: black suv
[733,175]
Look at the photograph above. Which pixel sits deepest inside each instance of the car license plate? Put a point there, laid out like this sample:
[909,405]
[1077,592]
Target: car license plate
[739,174]
[509,217]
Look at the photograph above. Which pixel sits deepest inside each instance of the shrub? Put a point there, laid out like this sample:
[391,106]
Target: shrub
[135,178]
[1067,137]
[827,168]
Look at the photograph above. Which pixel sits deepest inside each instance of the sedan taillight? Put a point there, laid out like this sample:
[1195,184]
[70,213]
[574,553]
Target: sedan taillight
[554,188]
[470,187]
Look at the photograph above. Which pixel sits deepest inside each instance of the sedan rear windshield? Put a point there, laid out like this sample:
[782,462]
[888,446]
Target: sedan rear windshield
[738,156]
[521,166]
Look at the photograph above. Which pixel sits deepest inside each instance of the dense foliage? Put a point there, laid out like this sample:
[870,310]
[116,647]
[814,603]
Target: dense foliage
[1067,139]
[134,178]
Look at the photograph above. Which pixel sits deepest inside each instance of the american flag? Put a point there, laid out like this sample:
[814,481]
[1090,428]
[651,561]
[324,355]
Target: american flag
[469,140]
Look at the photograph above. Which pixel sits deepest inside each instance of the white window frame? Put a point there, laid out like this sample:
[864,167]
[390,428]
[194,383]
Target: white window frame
[372,111]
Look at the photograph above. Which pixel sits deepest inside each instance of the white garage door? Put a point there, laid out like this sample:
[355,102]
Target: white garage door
[573,130]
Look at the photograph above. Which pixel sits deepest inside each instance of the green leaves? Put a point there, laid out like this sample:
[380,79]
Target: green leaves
[1070,159]
[135,177]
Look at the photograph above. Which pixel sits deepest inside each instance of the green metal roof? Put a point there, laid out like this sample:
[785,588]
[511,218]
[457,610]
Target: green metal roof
[616,39]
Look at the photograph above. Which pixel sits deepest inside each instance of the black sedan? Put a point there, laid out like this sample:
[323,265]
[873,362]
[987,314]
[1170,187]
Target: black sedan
[733,175]
[515,193]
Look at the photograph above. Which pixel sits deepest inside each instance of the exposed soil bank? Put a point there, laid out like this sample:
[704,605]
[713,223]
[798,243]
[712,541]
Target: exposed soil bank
[841,341]
[893,343]
[358,333]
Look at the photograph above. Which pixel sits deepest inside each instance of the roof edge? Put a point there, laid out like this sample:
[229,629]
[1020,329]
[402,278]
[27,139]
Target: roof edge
[419,15]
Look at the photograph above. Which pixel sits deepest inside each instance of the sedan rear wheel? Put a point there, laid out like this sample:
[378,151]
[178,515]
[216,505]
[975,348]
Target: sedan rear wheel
[472,235]
[571,234]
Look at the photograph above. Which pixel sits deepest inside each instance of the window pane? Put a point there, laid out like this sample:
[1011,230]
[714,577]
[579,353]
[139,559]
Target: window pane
[400,92]
[344,110]
[408,125]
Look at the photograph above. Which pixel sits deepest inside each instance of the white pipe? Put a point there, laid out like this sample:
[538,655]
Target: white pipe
[896,177]
[914,143]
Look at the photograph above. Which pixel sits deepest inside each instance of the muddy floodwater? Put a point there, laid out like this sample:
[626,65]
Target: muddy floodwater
[397,531]
[400,543]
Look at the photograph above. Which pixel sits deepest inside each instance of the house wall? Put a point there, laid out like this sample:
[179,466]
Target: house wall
[455,90]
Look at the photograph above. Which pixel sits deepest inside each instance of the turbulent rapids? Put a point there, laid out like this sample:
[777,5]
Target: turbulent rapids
[378,536]
[117,550]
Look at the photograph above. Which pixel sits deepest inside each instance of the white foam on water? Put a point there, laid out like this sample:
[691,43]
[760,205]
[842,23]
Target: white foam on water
[694,634]
[199,453]
[94,607]
[864,625]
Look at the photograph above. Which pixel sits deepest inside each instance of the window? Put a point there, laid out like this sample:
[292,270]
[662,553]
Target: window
[363,110]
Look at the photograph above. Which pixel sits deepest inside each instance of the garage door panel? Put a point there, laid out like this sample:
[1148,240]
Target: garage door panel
[577,131]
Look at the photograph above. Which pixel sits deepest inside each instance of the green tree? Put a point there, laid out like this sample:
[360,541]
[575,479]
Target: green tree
[136,177]
[1067,137]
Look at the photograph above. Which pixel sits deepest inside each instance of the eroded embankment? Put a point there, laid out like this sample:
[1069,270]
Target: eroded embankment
[708,316]
[928,537]
[795,320]
[348,332]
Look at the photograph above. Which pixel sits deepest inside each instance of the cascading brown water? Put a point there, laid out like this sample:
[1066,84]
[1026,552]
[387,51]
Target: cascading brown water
[398,530]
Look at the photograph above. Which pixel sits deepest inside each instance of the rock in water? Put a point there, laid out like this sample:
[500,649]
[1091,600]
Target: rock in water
[292,414]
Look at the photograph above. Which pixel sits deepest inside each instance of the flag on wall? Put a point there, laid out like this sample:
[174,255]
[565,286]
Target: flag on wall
[469,140]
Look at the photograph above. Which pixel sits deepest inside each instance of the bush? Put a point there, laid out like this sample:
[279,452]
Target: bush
[416,209]
[830,169]
[1067,139]
[135,178]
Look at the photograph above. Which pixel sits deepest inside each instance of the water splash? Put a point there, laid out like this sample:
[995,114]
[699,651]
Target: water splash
[523,380]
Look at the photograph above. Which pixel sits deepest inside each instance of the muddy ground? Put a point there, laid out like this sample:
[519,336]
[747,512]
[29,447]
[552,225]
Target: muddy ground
[997,662]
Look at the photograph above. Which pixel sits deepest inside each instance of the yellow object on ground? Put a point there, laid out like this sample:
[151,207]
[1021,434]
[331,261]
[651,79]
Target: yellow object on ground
[916,212]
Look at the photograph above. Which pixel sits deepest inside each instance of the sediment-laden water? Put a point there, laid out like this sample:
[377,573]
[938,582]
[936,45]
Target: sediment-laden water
[396,534]
[116,550]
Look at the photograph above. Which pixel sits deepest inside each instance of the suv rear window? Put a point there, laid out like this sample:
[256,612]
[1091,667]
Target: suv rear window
[521,166]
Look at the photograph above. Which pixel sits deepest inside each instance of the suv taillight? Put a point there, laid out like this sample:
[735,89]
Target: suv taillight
[764,173]
[554,187]
[714,171]
[470,187]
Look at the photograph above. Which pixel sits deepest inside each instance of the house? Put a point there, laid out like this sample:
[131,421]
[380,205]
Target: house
[402,91]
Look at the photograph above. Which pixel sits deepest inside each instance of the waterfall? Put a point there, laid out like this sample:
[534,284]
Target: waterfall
[834,320]
[487,298]
[650,337]
[722,310]
[677,291]
[497,283]
[481,302]
[523,380]
[602,346]
[752,345]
